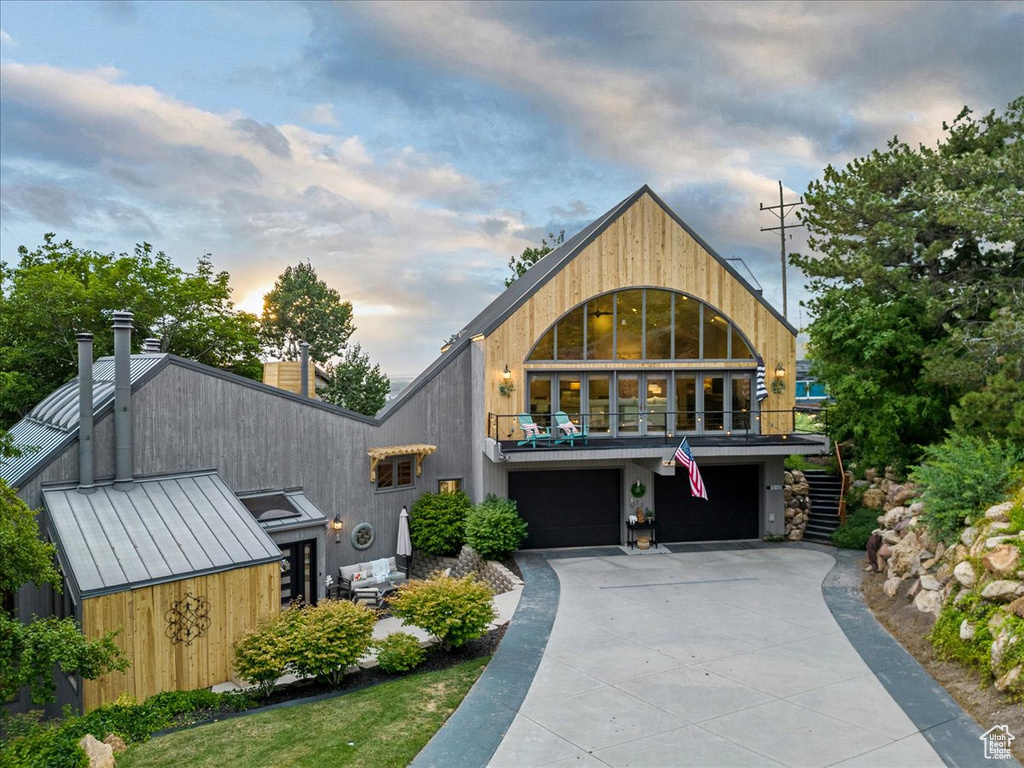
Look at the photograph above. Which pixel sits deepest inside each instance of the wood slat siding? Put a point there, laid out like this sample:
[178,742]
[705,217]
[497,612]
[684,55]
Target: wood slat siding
[643,248]
[287,375]
[237,600]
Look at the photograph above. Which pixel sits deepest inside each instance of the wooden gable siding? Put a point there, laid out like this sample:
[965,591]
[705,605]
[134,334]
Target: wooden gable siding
[236,599]
[644,247]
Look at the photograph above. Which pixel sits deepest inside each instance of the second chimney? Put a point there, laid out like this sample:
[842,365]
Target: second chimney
[304,376]
[122,400]
[86,462]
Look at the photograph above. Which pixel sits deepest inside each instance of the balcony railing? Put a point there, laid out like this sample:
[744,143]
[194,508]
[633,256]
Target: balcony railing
[669,425]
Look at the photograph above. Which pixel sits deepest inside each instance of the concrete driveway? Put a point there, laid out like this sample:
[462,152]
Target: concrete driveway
[715,658]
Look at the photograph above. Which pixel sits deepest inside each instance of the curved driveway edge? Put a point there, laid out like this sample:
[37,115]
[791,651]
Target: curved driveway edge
[952,733]
[474,731]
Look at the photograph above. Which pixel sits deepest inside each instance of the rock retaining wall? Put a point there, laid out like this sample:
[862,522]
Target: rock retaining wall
[984,567]
[499,578]
[798,504]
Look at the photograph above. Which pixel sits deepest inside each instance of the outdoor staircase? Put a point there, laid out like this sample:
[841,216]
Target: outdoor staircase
[825,492]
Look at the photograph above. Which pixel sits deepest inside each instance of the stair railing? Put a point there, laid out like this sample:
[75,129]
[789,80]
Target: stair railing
[842,486]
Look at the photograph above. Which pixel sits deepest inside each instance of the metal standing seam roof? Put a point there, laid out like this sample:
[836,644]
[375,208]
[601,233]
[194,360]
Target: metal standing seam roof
[161,529]
[499,310]
[53,423]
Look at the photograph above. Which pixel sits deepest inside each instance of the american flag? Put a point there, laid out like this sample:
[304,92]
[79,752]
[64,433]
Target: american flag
[684,457]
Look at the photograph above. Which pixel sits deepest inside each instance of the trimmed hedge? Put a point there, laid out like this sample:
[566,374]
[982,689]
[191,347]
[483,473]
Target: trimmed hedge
[437,522]
[494,528]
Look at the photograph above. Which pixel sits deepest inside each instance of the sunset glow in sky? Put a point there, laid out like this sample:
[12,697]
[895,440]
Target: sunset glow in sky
[408,150]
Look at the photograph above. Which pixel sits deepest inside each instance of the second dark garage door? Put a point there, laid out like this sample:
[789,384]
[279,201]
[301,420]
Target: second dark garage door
[568,508]
[731,511]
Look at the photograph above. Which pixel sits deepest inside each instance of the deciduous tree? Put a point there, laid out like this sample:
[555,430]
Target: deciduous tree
[59,290]
[302,307]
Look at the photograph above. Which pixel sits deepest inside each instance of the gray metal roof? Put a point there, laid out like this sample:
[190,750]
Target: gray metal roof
[53,423]
[161,529]
[499,310]
[307,512]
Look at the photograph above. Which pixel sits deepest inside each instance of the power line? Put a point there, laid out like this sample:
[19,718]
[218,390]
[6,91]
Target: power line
[780,211]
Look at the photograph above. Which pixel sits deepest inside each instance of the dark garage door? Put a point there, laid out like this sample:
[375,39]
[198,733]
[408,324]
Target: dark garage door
[731,511]
[568,508]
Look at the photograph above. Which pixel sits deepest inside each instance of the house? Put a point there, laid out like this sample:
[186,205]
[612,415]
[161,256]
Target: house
[634,327]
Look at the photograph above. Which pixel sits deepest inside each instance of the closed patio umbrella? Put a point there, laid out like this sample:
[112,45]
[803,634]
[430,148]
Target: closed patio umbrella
[404,547]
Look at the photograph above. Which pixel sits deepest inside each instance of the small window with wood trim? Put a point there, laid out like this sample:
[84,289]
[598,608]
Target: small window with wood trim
[395,472]
[449,485]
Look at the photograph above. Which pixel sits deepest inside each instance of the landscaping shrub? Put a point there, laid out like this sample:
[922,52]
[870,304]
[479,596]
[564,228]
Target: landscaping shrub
[454,611]
[399,652]
[329,637]
[32,743]
[437,522]
[262,656]
[855,532]
[494,528]
[962,476]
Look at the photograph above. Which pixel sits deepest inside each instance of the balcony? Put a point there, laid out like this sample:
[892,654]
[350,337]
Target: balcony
[640,435]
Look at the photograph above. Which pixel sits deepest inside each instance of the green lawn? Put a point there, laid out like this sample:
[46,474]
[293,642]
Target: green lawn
[379,727]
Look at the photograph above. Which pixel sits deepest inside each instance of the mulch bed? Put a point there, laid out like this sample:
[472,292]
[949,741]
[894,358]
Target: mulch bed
[911,627]
[297,692]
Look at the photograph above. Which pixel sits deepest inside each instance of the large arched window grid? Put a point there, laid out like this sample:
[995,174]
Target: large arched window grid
[651,324]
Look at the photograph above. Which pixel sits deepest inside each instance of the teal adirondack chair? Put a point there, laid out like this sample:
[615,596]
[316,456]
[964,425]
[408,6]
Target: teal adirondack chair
[532,431]
[568,432]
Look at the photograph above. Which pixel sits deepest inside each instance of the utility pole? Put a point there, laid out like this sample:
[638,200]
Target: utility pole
[781,211]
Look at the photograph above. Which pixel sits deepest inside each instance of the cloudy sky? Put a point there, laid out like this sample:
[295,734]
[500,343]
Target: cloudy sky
[408,150]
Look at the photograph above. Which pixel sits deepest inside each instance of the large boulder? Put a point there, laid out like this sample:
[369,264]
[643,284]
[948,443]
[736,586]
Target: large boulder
[1003,590]
[894,516]
[966,631]
[892,586]
[968,535]
[1000,512]
[928,602]
[100,755]
[1017,607]
[1012,681]
[964,573]
[1002,560]
[870,475]
[874,498]
[930,582]
[904,559]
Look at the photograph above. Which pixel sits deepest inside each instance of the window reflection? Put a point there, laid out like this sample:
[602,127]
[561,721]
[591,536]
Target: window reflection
[642,324]
[629,318]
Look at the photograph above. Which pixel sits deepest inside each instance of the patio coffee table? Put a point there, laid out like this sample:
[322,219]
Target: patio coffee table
[372,595]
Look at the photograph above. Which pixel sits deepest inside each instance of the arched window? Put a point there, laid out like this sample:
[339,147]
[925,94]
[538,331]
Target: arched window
[642,324]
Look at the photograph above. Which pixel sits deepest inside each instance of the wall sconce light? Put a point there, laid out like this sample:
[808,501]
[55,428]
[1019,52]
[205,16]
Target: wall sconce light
[337,525]
[779,383]
[506,388]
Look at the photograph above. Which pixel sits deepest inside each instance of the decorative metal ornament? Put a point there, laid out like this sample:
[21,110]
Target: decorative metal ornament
[362,536]
[187,619]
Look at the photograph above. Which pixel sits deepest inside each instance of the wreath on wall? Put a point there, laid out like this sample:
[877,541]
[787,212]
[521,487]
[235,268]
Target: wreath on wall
[638,490]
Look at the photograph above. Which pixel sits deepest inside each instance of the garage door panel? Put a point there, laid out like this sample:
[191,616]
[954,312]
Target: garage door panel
[730,512]
[568,508]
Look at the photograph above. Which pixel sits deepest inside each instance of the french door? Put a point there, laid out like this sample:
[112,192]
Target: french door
[298,572]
